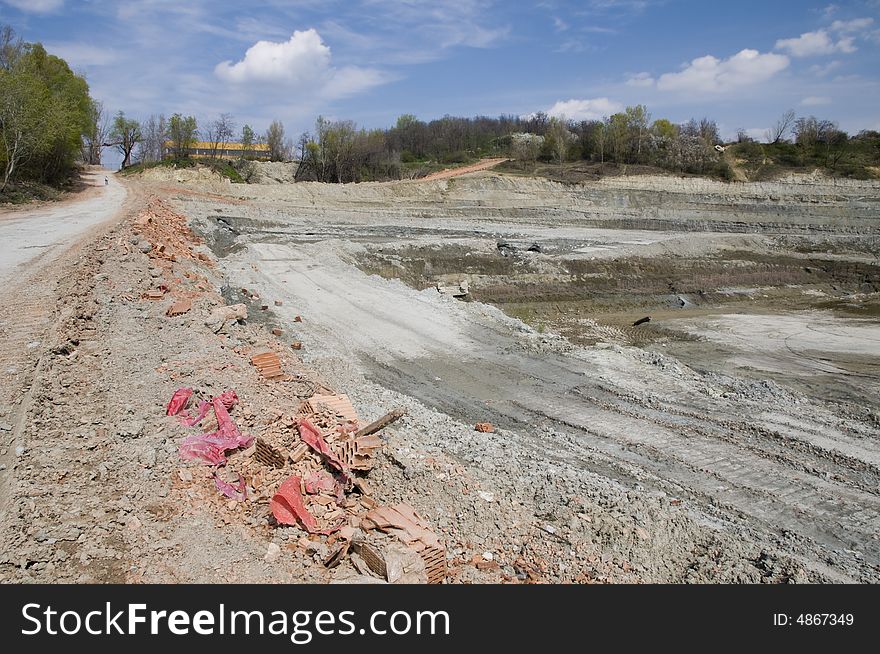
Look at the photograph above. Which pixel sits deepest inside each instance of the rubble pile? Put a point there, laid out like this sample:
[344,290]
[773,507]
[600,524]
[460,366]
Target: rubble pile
[308,468]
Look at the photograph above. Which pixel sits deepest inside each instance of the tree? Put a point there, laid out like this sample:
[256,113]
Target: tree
[619,137]
[20,100]
[125,134]
[777,133]
[183,132]
[559,140]
[96,136]
[45,111]
[525,147]
[247,140]
[220,132]
[278,150]
[155,134]
[638,120]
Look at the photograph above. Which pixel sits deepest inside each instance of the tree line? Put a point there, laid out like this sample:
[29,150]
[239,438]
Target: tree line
[49,123]
[338,151]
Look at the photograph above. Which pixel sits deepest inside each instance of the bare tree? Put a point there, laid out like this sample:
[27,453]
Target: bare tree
[777,133]
[219,133]
[95,137]
[155,133]
[11,47]
[225,128]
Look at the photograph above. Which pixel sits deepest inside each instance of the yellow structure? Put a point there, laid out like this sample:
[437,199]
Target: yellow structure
[208,150]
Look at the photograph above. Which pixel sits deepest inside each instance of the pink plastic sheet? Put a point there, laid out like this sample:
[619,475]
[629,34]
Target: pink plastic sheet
[210,449]
[313,438]
[178,401]
[236,492]
[289,509]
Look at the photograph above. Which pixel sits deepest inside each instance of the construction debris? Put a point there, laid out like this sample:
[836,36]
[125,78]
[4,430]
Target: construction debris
[222,316]
[455,290]
[210,449]
[484,427]
[381,423]
[153,294]
[642,321]
[296,345]
[236,492]
[268,365]
[308,466]
[406,525]
[179,308]
[178,401]
[268,455]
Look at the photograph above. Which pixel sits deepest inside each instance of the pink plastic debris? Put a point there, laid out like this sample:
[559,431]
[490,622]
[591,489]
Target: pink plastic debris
[320,481]
[228,398]
[204,407]
[225,425]
[236,492]
[178,401]
[312,437]
[288,508]
[210,449]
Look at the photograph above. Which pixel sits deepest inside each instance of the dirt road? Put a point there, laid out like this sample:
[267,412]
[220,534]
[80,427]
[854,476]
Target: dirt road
[34,244]
[449,173]
[29,236]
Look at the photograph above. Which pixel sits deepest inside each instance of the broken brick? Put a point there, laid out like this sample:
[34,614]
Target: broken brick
[179,308]
[268,365]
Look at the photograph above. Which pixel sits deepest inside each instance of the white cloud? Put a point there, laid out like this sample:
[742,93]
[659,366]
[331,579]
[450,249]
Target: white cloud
[640,80]
[808,44]
[81,54]
[824,70]
[301,58]
[815,101]
[849,26]
[559,24]
[830,10]
[593,109]
[712,75]
[36,6]
[303,61]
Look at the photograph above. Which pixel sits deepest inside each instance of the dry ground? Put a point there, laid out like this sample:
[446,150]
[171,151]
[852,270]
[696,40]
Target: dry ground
[620,457]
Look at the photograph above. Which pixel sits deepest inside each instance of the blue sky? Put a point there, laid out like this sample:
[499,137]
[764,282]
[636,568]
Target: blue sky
[742,63]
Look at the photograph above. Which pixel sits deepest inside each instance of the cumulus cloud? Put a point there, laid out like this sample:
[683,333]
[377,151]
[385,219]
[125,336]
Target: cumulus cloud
[712,75]
[815,101]
[302,61]
[811,44]
[36,6]
[641,80]
[592,109]
[300,58]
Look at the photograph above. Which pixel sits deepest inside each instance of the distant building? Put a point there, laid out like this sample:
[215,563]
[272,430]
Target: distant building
[206,150]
